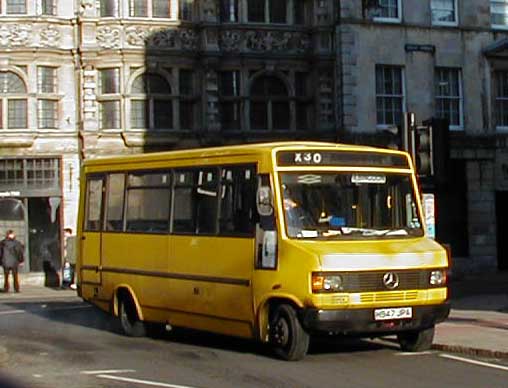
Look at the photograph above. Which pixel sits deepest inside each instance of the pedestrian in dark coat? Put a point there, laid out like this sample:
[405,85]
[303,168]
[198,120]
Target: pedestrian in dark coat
[12,254]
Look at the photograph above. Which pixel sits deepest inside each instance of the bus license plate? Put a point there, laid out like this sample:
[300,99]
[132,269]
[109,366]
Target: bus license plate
[393,313]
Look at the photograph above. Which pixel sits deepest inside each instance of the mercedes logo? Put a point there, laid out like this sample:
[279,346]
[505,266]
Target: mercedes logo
[391,280]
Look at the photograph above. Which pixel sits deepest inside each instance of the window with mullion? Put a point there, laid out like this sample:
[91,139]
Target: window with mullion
[444,12]
[230,101]
[185,9]
[388,10]
[46,79]
[501,98]
[499,13]
[47,113]
[138,8]
[16,113]
[229,11]
[389,95]
[269,105]
[16,7]
[48,7]
[108,8]
[270,11]
[161,8]
[448,91]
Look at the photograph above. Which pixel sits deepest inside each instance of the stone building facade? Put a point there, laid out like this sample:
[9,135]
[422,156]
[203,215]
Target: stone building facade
[437,58]
[85,78]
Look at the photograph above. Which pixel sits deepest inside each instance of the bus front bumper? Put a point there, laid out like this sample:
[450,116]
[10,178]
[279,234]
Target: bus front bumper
[362,322]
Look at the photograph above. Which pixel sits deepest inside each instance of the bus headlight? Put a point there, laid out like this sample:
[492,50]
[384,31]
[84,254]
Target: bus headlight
[438,277]
[326,283]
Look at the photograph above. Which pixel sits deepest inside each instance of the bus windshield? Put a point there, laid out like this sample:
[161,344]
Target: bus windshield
[349,205]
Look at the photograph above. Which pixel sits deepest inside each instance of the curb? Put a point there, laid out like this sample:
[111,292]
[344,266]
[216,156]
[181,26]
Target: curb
[469,351]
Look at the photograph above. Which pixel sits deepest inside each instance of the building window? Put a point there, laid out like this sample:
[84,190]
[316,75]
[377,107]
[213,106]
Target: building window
[48,7]
[16,7]
[229,11]
[501,99]
[275,11]
[230,100]
[269,104]
[109,98]
[150,8]
[13,101]
[448,89]
[499,13]
[151,104]
[303,101]
[389,95]
[186,9]
[108,8]
[47,113]
[385,10]
[444,12]
[46,79]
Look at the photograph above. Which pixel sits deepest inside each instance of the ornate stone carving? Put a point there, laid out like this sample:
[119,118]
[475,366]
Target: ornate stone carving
[15,35]
[108,37]
[230,40]
[161,38]
[87,4]
[136,35]
[265,41]
[188,39]
[49,36]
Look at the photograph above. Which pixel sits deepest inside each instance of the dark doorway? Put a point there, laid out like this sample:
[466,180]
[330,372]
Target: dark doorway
[502,229]
[44,234]
[451,210]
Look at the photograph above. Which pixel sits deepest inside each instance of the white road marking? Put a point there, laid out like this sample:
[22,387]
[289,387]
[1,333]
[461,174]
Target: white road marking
[100,372]
[144,382]
[475,362]
[9,312]
[414,353]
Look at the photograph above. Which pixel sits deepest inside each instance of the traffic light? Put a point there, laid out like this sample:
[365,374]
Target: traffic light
[440,148]
[422,150]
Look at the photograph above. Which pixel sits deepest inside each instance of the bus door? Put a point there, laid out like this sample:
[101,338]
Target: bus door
[91,244]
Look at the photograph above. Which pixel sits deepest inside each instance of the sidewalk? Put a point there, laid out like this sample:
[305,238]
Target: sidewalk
[478,322]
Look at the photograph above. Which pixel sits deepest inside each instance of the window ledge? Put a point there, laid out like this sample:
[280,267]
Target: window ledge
[19,140]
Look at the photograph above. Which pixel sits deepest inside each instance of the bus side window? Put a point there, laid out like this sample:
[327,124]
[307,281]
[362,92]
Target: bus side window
[114,202]
[94,191]
[148,197]
[207,205]
[184,201]
[238,194]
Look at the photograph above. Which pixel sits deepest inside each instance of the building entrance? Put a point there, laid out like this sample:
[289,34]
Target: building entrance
[44,234]
[502,229]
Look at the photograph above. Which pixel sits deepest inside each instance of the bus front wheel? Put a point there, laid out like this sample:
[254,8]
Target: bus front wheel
[287,336]
[129,320]
[416,341]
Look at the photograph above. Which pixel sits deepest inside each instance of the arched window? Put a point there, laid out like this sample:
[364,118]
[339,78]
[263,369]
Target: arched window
[151,103]
[13,101]
[269,104]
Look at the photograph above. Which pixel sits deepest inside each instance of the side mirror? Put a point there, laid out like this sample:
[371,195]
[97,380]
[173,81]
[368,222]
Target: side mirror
[264,201]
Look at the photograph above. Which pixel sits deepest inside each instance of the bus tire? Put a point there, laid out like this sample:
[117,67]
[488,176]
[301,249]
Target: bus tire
[416,341]
[132,326]
[287,336]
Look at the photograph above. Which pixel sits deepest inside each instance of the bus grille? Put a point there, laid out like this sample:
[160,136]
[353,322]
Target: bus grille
[374,297]
[373,281]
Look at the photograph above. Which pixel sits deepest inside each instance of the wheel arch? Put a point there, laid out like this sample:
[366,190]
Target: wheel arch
[124,290]
[266,307]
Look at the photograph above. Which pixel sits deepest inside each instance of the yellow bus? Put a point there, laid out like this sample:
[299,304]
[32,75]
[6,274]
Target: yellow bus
[276,242]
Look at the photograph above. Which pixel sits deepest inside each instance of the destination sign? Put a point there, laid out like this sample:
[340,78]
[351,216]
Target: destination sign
[339,158]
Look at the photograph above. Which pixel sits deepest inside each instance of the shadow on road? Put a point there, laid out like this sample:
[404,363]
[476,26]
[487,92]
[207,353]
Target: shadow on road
[88,316]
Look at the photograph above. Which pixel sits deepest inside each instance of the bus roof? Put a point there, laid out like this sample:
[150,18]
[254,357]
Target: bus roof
[231,150]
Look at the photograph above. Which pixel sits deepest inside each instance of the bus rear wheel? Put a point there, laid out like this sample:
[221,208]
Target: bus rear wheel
[132,326]
[287,336]
[416,341]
